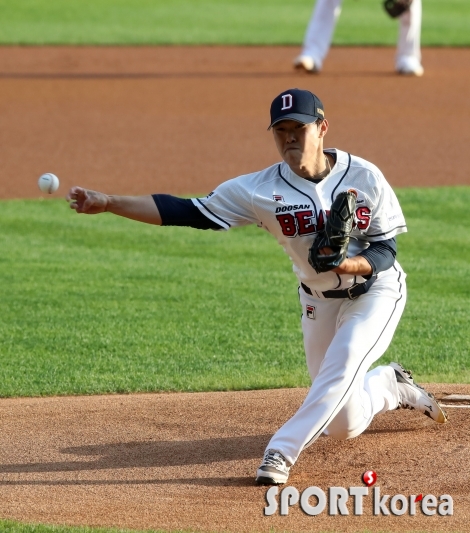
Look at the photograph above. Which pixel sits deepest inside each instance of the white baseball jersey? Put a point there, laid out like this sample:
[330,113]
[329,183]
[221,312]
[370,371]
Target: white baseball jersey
[294,209]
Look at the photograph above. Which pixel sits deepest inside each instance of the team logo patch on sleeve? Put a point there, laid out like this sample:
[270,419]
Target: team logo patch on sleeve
[310,312]
[278,198]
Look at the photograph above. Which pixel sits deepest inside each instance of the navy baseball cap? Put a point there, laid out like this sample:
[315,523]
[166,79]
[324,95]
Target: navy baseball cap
[296,104]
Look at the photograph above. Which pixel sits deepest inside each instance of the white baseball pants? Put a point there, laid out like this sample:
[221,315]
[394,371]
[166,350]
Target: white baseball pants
[320,29]
[342,341]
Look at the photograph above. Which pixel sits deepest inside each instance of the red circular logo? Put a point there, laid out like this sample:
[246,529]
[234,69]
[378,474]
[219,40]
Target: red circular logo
[369,477]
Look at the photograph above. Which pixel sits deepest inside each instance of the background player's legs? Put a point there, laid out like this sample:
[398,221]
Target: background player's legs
[320,30]
[364,329]
[408,58]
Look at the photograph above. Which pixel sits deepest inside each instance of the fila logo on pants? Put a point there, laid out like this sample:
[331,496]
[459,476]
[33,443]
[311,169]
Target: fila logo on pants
[310,312]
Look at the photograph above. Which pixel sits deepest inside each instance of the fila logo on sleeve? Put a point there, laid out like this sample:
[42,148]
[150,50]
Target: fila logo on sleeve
[287,102]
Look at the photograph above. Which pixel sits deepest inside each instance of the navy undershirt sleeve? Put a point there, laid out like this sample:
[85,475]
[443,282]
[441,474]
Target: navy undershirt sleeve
[176,211]
[181,212]
[381,255]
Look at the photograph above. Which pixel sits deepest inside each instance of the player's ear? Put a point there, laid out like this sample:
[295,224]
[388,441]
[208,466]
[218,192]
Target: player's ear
[323,127]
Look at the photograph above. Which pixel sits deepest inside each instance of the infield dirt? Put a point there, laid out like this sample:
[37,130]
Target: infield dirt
[181,120]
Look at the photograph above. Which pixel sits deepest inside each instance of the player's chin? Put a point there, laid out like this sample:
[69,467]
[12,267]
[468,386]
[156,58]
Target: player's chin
[292,156]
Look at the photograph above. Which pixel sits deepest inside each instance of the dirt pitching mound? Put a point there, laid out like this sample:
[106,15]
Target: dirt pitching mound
[188,461]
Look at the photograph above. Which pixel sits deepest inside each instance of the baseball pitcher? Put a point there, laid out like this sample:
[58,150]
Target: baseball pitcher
[337,218]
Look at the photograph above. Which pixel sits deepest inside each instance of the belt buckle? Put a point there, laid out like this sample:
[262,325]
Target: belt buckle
[351,296]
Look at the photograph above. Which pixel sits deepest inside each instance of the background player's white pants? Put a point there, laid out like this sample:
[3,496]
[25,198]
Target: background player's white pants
[325,14]
[341,343]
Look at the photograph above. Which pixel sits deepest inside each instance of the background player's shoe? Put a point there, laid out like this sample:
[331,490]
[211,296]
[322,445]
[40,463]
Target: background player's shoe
[409,66]
[305,63]
[273,470]
[413,396]
[417,71]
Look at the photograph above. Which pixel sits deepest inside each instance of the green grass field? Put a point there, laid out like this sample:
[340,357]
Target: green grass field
[10,526]
[215,22]
[102,304]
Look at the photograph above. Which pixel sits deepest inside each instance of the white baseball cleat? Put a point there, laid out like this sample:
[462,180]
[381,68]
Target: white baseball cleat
[416,71]
[409,66]
[413,396]
[273,470]
[305,63]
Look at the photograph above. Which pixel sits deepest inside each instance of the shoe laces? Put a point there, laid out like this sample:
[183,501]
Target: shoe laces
[404,405]
[274,458]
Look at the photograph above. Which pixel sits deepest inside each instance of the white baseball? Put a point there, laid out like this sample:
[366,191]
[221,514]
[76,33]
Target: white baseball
[48,183]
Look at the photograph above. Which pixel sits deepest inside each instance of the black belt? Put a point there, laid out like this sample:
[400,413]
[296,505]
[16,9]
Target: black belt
[352,293]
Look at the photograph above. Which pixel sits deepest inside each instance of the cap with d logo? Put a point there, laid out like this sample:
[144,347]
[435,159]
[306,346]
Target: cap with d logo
[296,104]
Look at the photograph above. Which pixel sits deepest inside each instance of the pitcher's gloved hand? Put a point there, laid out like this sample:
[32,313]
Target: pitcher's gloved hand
[335,236]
